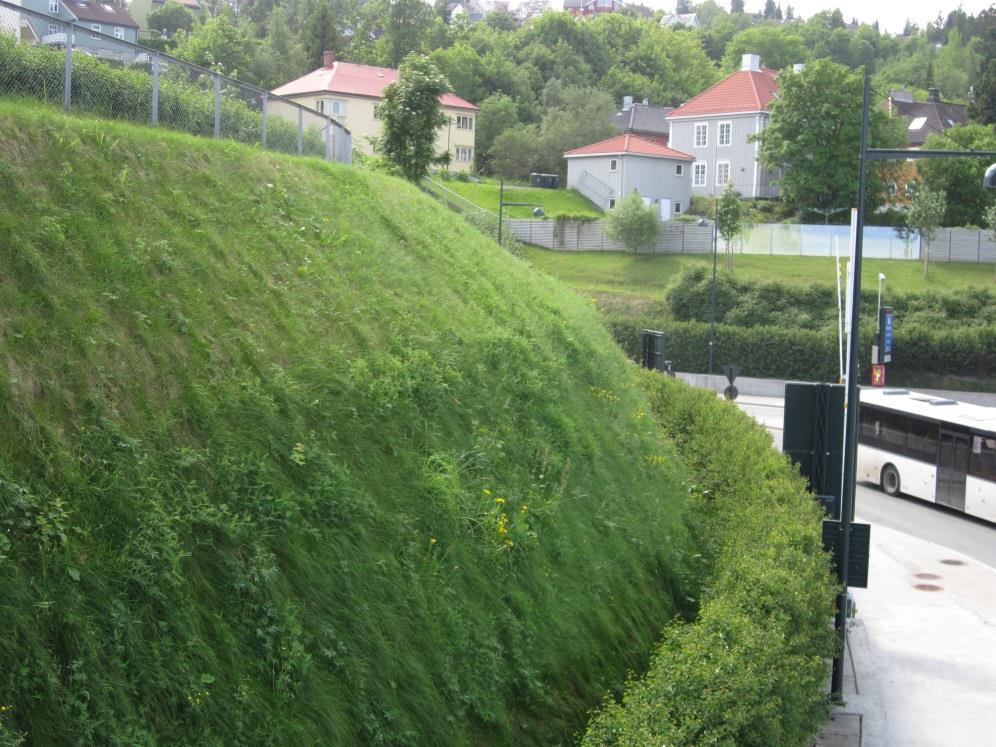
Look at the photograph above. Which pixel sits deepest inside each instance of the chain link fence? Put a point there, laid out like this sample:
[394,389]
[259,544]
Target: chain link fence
[52,60]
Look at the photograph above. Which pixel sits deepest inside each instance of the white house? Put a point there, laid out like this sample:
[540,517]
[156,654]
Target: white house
[606,171]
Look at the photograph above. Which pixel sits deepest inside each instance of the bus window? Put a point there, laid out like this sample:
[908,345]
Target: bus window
[923,438]
[869,424]
[894,428]
[983,462]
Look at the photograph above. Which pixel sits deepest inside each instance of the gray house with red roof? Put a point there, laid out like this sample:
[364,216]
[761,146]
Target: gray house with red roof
[717,128]
[607,171]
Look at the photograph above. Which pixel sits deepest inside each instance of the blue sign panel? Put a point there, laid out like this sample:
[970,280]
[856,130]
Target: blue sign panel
[887,334]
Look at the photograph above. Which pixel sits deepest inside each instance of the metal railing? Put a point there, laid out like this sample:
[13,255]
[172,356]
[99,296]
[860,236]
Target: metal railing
[56,61]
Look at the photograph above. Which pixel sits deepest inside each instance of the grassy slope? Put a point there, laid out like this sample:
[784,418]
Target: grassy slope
[555,202]
[291,455]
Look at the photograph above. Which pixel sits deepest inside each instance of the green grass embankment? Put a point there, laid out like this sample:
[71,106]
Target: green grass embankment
[290,455]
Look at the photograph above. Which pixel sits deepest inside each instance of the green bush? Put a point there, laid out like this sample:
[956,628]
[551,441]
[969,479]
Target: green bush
[750,669]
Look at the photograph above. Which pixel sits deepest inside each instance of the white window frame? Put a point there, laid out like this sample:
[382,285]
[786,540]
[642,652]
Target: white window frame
[119,32]
[719,170]
[95,27]
[700,180]
[701,128]
[613,165]
[53,28]
[53,6]
[728,127]
[464,153]
[335,108]
[679,169]
[464,122]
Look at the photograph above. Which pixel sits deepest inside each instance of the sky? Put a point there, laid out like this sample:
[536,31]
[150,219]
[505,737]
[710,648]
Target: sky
[890,14]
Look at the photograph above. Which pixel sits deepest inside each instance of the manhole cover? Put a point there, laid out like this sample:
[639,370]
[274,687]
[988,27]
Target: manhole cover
[952,561]
[926,576]
[928,587]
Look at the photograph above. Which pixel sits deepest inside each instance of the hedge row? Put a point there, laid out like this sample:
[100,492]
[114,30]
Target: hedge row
[749,303]
[750,670]
[813,355]
[109,90]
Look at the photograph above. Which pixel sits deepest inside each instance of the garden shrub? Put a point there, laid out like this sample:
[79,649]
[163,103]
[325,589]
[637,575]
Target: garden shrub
[750,669]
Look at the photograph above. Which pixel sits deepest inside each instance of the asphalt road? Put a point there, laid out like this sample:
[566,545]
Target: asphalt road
[926,521]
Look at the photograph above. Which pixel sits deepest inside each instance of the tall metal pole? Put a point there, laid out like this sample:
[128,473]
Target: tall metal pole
[850,415]
[501,204]
[712,291]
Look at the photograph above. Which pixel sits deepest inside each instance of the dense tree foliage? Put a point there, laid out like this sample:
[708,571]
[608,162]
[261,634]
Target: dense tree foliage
[961,178]
[411,114]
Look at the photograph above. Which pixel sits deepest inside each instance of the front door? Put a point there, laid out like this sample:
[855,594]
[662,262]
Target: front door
[952,464]
[665,208]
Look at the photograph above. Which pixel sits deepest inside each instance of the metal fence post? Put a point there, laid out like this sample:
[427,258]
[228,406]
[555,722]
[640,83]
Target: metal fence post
[266,97]
[300,130]
[67,91]
[155,90]
[217,105]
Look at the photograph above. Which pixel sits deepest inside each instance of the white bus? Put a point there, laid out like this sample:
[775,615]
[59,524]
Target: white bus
[932,448]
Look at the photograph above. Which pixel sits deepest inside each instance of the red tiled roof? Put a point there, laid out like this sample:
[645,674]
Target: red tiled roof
[94,11]
[350,79]
[743,91]
[628,143]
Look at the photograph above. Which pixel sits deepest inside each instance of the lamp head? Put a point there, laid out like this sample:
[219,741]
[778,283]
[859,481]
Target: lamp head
[881,276]
[538,212]
[989,180]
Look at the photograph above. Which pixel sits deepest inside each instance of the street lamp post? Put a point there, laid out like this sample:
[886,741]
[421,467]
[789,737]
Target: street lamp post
[865,154]
[538,212]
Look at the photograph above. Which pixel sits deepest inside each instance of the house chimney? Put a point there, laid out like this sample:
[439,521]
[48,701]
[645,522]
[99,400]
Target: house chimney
[933,95]
[627,103]
[329,57]
[751,62]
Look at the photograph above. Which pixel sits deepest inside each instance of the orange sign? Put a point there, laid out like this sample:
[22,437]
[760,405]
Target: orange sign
[878,374]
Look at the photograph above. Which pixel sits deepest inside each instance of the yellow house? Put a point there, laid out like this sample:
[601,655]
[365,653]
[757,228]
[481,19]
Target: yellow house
[351,93]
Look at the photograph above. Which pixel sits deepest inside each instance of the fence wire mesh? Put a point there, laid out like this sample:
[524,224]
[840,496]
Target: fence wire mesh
[52,60]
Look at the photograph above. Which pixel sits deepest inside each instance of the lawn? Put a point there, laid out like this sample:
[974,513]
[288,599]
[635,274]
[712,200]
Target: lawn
[555,202]
[646,276]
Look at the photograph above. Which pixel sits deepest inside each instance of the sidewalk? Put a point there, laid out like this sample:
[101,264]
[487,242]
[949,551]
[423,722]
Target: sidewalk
[922,650]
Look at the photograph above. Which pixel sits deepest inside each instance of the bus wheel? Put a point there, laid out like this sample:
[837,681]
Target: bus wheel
[889,480]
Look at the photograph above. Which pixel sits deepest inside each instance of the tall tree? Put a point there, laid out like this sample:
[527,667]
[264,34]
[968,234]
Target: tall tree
[815,134]
[411,114]
[729,219]
[736,6]
[924,215]
[683,6]
[217,44]
[170,18]
[769,9]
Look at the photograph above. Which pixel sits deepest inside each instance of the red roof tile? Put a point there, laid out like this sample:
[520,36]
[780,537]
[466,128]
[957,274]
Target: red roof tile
[628,143]
[743,91]
[350,79]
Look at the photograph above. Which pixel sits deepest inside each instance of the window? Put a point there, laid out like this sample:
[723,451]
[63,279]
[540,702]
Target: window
[613,164]
[677,208]
[94,27]
[722,172]
[911,188]
[679,169]
[698,175]
[701,135]
[725,131]
[612,202]
[464,154]
[53,6]
[332,107]
[983,457]
[53,29]
[464,122]
[118,32]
